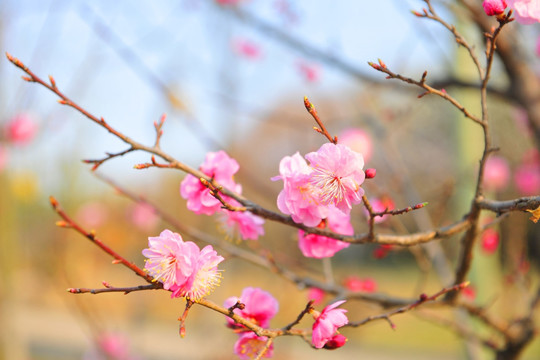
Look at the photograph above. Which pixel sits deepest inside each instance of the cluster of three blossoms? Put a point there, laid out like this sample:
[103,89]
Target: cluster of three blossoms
[319,194]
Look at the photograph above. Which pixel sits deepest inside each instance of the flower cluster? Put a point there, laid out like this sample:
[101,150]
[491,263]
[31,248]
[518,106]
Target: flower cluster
[324,331]
[259,308]
[321,194]
[181,266]
[221,168]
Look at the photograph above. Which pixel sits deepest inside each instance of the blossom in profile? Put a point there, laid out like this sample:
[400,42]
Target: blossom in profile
[357,140]
[21,129]
[181,266]
[260,307]
[218,166]
[317,246]
[496,173]
[335,342]
[337,175]
[326,324]
[494,7]
[299,197]
[490,241]
[242,223]
[526,11]
[249,345]
[527,174]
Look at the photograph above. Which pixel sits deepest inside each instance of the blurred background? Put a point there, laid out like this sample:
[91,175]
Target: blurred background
[233,76]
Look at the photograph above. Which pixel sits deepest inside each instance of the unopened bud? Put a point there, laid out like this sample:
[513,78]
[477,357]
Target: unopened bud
[370,173]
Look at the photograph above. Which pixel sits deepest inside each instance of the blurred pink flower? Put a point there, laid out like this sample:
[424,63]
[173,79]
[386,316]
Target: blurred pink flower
[220,167]
[21,129]
[335,342]
[381,251]
[496,173]
[327,323]
[248,225]
[228,2]
[337,175]
[379,205]
[469,292]
[527,175]
[356,284]
[315,294]
[317,246]
[181,266]
[143,216]
[490,241]
[247,49]
[526,11]
[357,140]
[538,46]
[92,214]
[249,345]
[298,197]
[114,346]
[310,72]
[494,7]
[260,307]
[3,157]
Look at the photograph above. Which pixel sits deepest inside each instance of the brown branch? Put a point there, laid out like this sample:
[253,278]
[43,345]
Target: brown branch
[423,299]
[321,129]
[404,240]
[118,259]
[429,90]
[110,289]
[97,162]
[501,207]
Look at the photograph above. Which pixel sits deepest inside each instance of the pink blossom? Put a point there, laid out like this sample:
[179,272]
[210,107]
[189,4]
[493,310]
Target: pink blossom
[357,140]
[247,49]
[494,7]
[526,11]
[21,129]
[181,266]
[527,175]
[327,323]
[335,342]
[317,246]
[496,173]
[357,284]
[249,226]
[370,173]
[249,345]
[310,72]
[298,197]
[260,306]
[337,175]
[316,295]
[469,292]
[490,241]
[220,167]
[144,216]
[114,346]
[538,47]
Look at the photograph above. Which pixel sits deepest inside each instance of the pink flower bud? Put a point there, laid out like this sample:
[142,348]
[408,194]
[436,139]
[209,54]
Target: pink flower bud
[370,173]
[335,342]
[494,7]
